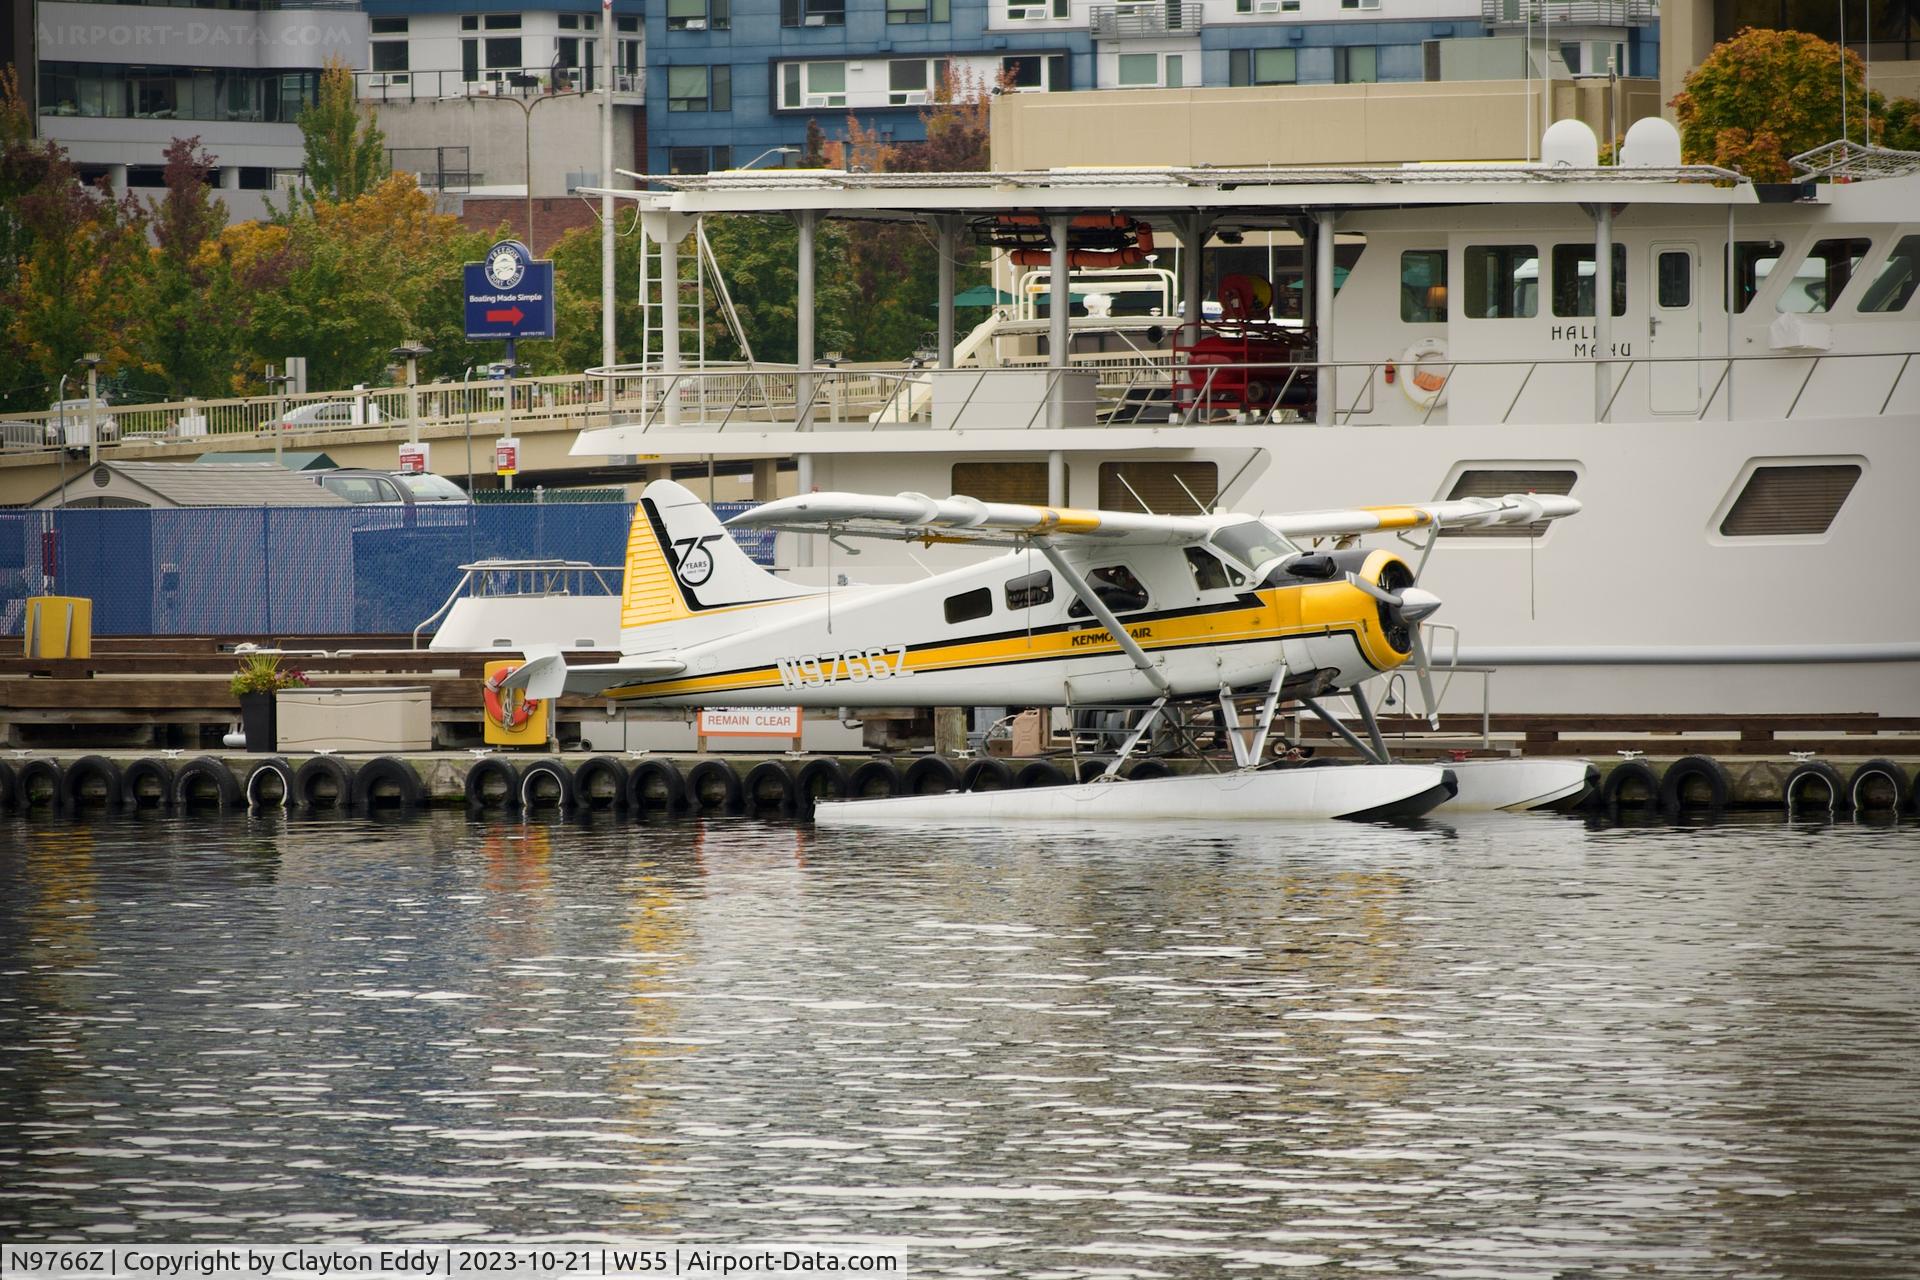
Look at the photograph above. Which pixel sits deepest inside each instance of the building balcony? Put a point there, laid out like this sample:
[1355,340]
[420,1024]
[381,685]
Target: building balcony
[1573,13]
[629,88]
[1149,20]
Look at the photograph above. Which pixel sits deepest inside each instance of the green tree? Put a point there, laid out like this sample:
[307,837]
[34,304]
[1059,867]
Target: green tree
[1766,96]
[189,347]
[344,160]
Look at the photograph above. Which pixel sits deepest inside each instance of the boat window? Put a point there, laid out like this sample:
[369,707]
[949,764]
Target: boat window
[1002,481]
[1117,589]
[1893,285]
[969,605]
[1210,573]
[1753,261]
[1823,277]
[1251,542]
[1573,280]
[1673,279]
[1503,281]
[1163,488]
[1031,591]
[1423,286]
[1497,483]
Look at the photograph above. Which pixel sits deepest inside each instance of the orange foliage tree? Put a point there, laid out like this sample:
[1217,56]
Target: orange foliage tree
[1765,96]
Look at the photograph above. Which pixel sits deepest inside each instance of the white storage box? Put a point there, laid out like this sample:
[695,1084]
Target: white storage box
[367,718]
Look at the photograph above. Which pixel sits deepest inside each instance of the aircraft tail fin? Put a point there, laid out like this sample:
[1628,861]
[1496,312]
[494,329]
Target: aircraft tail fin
[681,563]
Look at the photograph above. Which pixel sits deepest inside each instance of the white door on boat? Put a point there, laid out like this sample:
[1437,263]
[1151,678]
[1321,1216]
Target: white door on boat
[1673,324]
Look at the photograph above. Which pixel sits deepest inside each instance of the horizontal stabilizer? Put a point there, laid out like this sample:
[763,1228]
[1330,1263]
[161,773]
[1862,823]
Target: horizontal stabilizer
[547,675]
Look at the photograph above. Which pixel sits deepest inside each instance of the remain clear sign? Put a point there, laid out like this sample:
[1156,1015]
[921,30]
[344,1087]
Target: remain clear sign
[749,722]
[510,295]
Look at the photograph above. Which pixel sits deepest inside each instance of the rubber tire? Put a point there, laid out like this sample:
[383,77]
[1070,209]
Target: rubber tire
[874,780]
[822,779]
[770,776]
[591,773]
[713,788]
[1637,772]
[387,771]
[656,776]
[250,789]
[226,787]
[479,800]
[93,766]
[148,772]
[1151,769]
[47,777]
[1839,799]
[567,799]
[930,776]
[1673,797]
[1092,767]
[1041,773]
[988,773]
[318,770]
[6,787]
[1895,776]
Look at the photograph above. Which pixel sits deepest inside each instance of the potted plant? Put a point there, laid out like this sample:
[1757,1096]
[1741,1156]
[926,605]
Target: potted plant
[257,684]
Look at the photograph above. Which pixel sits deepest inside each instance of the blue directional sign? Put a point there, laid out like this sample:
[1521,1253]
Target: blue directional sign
[510,295]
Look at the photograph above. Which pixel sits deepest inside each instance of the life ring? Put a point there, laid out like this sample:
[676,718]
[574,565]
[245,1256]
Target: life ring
[1425,387]
[511,709]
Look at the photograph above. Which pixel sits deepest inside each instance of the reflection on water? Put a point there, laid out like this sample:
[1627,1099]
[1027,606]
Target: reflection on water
[1497,1047]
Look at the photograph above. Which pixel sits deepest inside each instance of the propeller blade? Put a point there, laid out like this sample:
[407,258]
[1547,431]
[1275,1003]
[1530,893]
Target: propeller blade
[1375,590]
[1423,667]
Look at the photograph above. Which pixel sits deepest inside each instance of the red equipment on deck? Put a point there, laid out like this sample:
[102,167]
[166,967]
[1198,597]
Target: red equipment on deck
[1244,364]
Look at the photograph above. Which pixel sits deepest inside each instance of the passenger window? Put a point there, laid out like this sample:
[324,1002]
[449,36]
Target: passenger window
[389,491]
[1674,283]
[1753,262]
[1209,574]
[1573,279]
[1823,276]
[1423,286]
[1117,588]
[1031,591]
[969,605]
[1893,284]
[355,489]
[1503,281]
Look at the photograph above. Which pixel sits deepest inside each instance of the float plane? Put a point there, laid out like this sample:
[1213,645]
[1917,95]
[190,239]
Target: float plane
[1083,608]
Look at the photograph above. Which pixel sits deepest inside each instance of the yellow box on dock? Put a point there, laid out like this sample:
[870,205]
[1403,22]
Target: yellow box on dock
[512,719]
[59,627]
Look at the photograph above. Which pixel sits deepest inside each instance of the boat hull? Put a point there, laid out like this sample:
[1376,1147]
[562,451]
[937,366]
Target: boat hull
[1488,785]
[1340,791]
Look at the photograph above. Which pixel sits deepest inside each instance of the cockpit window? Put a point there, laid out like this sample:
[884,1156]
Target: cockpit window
[1251,543]
[1210,573]
[1117,589]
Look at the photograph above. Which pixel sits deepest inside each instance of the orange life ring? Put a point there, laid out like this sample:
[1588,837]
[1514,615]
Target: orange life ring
[512,709]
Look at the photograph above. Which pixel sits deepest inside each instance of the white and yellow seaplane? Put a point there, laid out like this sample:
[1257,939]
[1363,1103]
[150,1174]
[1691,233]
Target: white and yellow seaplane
[1084,607]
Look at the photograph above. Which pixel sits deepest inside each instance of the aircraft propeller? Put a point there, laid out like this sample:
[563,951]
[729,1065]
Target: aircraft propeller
[1410,606]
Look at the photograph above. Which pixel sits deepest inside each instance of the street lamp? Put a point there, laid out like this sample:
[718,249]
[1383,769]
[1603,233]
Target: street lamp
[411,350]
[526,106]
[771,151]
[279,382]
[92,361]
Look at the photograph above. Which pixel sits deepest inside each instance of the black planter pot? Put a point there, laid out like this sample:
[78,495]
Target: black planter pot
[257,720]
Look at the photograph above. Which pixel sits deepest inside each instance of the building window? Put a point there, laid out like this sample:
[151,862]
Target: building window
[115,91]
[698,159]
[813,84]
[569,22]
[470,22]
[387,26]
[1503,281]
[1356,64]
[1893,284]
[813,13]
[1138,69]
[1034,73]
[1823,277]
[1262,66]
[906,82]
[1573,280]
[899,11]
[1423,286]
[699,15]
[566,51]
[1359,4]
[629,25]
[503,52]
[503,22]
[700,88]
[389,55]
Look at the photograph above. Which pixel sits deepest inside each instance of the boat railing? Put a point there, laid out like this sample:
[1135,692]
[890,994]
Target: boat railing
[499,577]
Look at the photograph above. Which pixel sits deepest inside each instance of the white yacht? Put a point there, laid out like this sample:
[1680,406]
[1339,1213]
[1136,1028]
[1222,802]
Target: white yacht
[1741,424]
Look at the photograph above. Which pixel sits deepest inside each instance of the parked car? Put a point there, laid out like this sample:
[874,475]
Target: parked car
[331,413]
[67,423]
[365,487]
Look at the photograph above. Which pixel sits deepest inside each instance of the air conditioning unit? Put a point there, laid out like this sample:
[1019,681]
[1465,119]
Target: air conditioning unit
[1266,6]
[1026,14]
[695,24]
[815,20]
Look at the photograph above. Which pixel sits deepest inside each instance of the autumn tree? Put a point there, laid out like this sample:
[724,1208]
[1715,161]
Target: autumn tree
[1766,96]
[345,159]
[189,346]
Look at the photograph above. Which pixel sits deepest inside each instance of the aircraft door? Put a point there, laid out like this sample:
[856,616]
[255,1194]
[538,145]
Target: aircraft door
[1673,324]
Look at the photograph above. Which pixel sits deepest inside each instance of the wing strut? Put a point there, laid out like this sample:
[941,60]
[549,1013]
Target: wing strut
[1098,608]
[1333,722]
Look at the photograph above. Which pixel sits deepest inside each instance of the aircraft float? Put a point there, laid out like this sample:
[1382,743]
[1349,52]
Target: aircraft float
[1083,608]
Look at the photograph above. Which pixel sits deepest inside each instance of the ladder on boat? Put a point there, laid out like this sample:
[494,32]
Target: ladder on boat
[693,309]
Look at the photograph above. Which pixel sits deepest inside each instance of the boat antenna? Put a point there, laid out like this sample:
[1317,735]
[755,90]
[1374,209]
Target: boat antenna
[1843,71]
[1129,488]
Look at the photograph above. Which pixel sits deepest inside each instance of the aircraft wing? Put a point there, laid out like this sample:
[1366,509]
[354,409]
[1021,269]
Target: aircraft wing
[915,516]
[1460,513]
[546,674]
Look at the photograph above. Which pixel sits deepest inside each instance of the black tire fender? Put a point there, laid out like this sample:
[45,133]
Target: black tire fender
[1687,770]
[492,785]
[387,781]
[1092,767]
[713,787]
[1879,786]
[205,780]
[821,779]
[656,786]
[770,785]
[873,780]
[147,783]
[558,787]
[323,783]
[1810,778]
[40,782]
[1625,779]
[269,785]
[6,787]
[600,784]
[97,769]
[988,773]
[1151,769]
[1041,773]
[931,776]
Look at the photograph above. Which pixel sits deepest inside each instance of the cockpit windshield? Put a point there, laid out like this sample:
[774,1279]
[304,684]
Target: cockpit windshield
[1252,543]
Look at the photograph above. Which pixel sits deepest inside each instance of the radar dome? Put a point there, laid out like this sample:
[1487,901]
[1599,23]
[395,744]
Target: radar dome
[1651,144]
[1569,144]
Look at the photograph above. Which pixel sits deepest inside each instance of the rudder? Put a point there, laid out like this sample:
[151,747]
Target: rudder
[682,562]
